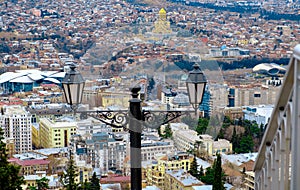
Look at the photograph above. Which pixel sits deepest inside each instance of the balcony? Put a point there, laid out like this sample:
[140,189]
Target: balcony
[278,163]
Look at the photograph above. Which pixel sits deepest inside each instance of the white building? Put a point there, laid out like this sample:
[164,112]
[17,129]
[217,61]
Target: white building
[16,123]
[152,148]
[186,140]
[261,114]
[105,151]
[90,125]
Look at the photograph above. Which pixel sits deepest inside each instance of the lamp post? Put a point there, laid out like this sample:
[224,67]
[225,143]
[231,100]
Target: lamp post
[73,85]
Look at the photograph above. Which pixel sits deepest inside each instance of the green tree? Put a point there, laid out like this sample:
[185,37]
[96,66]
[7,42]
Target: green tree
[194,168]
[42,184]
[210,174]
[226,122]
[168,132]
[95,182]
[201,172]
[218,183]
[85,186]
[202,125]
[208,177]
[234,140]
[68,178]
[9,173]
[246,144]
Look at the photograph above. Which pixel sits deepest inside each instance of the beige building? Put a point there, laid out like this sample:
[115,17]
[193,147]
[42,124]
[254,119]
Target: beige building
[255,96]
[180,180]
[249,180]
[55,134]
[233,112]
[186,140]
[10,147]
[218,98]
[156,170]
[113,97]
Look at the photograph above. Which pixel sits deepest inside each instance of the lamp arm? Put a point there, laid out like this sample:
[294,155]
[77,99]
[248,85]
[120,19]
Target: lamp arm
[120,118]
[154,119]
[114,118]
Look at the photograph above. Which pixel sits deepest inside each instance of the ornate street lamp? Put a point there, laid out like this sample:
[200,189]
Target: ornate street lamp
[135,118]
[196,83]
[73,85]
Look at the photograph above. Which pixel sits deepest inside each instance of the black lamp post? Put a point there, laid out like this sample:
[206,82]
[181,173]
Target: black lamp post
[196,83]
[73,85]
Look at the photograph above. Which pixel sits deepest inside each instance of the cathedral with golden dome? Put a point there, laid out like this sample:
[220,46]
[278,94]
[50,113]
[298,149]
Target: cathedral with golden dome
[162,25]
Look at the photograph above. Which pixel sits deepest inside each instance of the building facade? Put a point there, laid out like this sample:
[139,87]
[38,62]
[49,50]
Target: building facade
[56,134]
[152,148]
[188,140]
[16,124]
[156,170]
[104,151]
[181,180]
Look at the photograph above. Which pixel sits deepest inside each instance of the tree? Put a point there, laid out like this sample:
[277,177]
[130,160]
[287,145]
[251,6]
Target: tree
[194,168]
[68,179]
[234,139]
[168,132]
[218,183]
[209,176]
[201,172]
[42,183]
[202,125]
[246,145]
[85,186]
[95,182]
[9,173]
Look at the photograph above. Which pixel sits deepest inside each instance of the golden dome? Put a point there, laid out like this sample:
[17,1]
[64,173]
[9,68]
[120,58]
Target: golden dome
[162,11]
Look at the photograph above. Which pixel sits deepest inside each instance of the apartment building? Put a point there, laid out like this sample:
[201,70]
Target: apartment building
[255,96]
[186,140]
[56,133]
[249,180]
[16,124]
[30,167]
[152,148]
[113,97]
[156,170]
[104,151]
[91,125]
[181,180]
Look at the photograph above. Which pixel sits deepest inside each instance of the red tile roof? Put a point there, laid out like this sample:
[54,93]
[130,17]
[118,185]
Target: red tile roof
[28,162]
[118,179]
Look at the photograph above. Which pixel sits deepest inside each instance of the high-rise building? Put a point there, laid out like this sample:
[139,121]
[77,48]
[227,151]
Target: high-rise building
[16,123]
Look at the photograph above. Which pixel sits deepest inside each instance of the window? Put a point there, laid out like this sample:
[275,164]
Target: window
[256,95]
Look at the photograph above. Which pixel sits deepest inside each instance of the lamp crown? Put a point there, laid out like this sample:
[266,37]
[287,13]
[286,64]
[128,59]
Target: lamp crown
[196,66]
[135,90]
[72,67]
